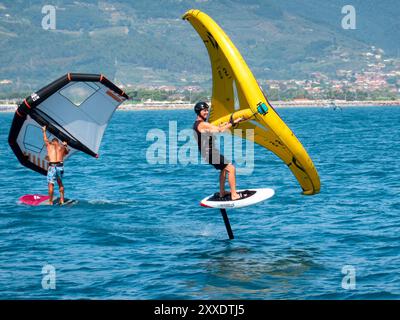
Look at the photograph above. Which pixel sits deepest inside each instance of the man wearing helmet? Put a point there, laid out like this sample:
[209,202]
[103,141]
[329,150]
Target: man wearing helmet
[205,140]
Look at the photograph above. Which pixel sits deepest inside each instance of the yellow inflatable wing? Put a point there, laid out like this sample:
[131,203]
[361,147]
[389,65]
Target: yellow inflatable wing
[232,77]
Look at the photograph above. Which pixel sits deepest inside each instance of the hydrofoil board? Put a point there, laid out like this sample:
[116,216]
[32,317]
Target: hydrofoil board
[248,198]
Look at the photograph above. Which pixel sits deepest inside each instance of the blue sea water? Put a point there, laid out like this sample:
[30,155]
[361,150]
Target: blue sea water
[138,231]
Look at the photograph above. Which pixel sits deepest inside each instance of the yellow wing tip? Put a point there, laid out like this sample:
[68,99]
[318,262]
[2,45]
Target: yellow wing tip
[190,13]
[310,192]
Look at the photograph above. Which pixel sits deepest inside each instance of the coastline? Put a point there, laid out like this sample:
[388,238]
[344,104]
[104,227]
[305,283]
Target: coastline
[299,103]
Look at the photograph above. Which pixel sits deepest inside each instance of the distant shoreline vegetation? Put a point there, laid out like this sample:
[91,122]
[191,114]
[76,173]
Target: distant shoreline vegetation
[196,93]
[171,98]
[11,106]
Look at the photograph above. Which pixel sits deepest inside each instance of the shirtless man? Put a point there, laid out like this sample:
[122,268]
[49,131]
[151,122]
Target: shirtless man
[205,141]
[56,153]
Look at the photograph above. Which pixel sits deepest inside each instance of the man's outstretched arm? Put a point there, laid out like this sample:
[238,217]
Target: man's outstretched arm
[46,141]
[208,127]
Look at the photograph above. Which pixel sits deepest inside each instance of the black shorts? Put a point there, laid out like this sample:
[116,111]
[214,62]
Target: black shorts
[218,164]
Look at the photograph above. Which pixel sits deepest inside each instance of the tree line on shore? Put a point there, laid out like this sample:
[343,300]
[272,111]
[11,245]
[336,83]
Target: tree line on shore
[147,94]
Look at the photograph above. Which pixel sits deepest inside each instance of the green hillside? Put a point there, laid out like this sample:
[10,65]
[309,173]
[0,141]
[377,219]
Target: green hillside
[146,42]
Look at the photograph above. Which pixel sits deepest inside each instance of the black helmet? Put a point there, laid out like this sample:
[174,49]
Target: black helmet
[200,106]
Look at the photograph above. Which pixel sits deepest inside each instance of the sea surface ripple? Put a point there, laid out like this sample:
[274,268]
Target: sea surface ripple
[138,231]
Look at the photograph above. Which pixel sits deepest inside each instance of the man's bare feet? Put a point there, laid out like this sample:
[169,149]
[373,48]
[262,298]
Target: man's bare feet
[224,194]
[235,196]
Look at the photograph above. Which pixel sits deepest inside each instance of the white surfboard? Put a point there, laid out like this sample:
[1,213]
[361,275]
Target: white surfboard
[249,197]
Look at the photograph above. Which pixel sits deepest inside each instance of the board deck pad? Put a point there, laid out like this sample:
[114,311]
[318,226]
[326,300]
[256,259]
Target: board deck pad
[42,200]
[243,195]
[248,198]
